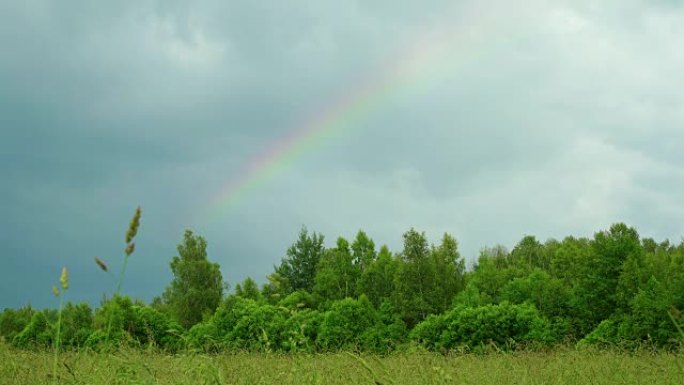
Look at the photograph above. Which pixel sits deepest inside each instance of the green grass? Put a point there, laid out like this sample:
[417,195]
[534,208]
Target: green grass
[563,366]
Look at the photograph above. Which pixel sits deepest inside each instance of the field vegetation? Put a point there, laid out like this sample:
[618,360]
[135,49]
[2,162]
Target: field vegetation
[579,310]
[144,366]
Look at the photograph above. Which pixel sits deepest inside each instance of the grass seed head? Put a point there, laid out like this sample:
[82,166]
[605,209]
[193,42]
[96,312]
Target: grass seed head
[130,248]
[133,226]
[101,264]
[55,291]
[64,278]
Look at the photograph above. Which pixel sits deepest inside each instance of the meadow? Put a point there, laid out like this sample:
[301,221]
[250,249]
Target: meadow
[136,366]
[541,314]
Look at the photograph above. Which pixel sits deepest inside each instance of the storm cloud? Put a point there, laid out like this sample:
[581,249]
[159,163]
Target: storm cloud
[548,118]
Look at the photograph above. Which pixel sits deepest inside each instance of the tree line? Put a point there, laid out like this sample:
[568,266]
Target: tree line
[613,289]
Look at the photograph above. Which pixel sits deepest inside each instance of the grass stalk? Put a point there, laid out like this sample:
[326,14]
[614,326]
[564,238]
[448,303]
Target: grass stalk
[64,281]
[57,336]
[130,248]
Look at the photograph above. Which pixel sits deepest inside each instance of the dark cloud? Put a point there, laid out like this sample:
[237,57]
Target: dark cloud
[498,120]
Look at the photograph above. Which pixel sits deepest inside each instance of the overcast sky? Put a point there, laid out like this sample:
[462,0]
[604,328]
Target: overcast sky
[488,120]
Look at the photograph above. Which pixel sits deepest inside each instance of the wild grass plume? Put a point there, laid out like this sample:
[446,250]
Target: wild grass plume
[130,245]
[64,282]
[64,278]
[133,226]
[128,251]
[100,263]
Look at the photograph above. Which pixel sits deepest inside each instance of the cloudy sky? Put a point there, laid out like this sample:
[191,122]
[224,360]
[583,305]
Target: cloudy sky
[245,120]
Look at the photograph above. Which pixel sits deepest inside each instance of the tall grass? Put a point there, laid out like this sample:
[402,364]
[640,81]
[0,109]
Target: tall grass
[674,316]
[64,283]
[135,366]
[130,248]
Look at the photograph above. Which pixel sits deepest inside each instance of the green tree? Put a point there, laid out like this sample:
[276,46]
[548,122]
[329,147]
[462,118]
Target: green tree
[197,286]
[547,294]
[570,260]
[595,293]
[276,288]
[337,273]
[363,250]
[299,266]
[448,270]
[248,289]
[529,253]
[493,271]
[414,279]
[377,281]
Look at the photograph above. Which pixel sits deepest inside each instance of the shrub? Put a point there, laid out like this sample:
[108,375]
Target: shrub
[227,315]
[386,335]
[150,327]
[77,324]
[204,337]
[605,334]
[112,322]
[648,321]
[298,300]
[503,324]
[258,327]
[38,333]
[345,322]
[301,330]
[12,322]
[429,332]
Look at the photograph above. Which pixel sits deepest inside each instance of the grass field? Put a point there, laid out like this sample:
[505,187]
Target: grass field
[140,367]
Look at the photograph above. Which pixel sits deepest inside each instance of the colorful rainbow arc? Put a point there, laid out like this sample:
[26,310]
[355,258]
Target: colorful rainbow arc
[348,109]
[419,65]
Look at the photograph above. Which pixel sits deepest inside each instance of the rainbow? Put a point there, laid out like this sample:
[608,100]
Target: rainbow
[427,60]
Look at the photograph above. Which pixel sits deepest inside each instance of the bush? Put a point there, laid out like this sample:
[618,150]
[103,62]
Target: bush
[429,332]
[112,323]
[204,337]
[150,327]
[260,327]
[346,322]
[298,300]
[388,334]
[301,330]
[227,315]
[12,322]
[648,321]
[503,324]
[77,324]
[605,334]
[38,333]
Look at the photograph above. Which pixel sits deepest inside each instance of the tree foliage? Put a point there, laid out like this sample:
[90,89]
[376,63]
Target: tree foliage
[337,273]
[299,266]
[197,286]
[613,289]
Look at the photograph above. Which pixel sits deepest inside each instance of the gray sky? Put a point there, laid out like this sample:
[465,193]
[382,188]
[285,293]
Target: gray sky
[498,119]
